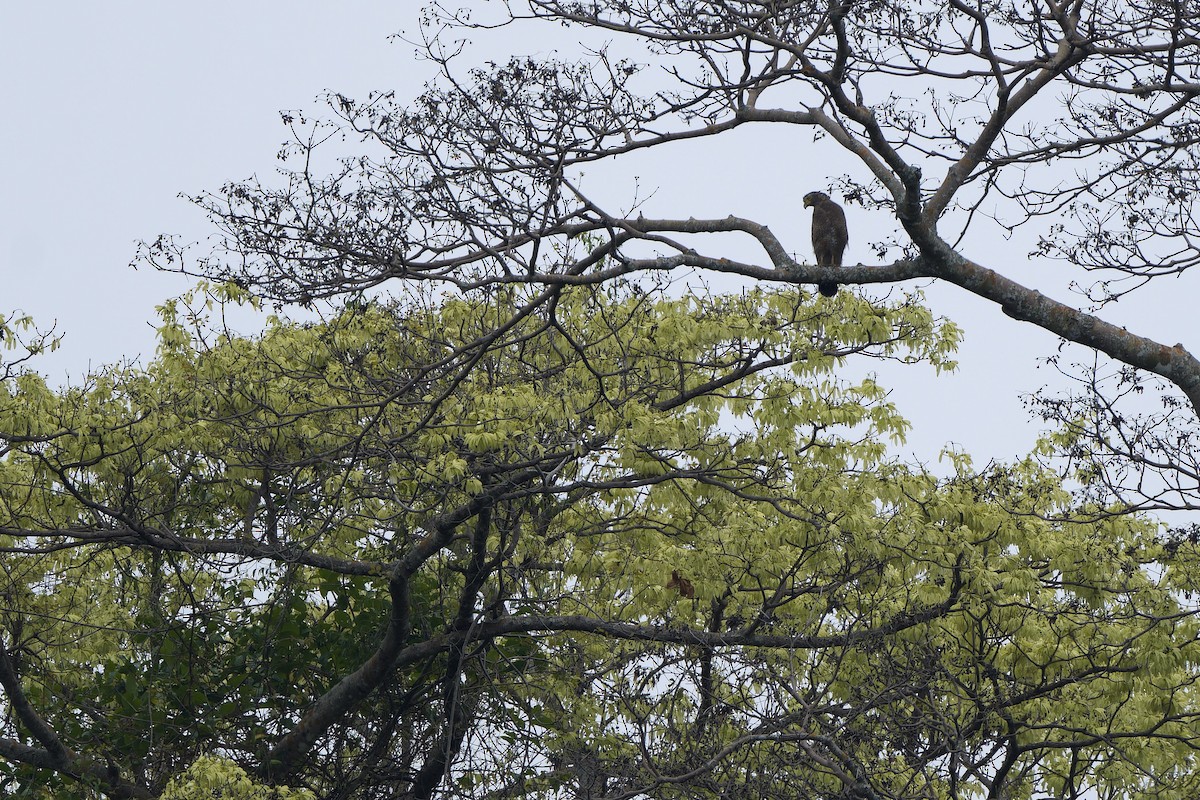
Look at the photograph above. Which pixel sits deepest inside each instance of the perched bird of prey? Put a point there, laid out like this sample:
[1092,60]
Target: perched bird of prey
[829,235]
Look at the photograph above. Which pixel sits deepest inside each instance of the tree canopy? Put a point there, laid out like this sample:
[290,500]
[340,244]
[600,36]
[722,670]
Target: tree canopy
[1072,123]
[509,515]
[585,541]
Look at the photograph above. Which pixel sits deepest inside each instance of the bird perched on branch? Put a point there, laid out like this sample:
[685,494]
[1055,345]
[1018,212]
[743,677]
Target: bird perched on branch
[829,235]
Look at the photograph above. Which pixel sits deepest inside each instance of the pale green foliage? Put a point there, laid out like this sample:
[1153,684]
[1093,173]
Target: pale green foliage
[20,339]
[200,549]
[215,778]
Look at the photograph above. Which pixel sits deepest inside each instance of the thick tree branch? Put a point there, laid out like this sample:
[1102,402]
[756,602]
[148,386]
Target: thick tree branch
[454,708]
[174,543]
[54,755]
[25,711]
[671,635]
[347,693]
[1175,363]
[79,769]
[352,689]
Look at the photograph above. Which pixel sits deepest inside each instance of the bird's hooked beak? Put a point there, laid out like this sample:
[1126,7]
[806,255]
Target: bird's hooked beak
[807,201]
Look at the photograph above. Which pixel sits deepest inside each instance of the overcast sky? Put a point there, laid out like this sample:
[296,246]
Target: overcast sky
[111,110]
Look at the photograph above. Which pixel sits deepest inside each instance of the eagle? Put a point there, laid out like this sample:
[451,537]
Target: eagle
[829,235]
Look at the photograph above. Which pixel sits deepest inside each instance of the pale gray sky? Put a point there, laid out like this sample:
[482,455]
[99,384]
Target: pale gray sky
[110,110]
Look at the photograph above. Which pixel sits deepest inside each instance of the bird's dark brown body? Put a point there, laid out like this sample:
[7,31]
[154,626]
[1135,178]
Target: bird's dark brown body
[829,235]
